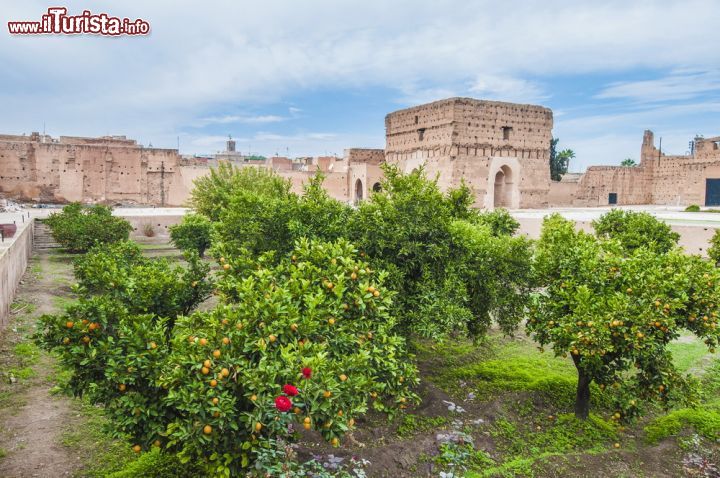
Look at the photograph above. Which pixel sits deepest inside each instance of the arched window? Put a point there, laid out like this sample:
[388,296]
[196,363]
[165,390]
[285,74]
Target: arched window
[376,188]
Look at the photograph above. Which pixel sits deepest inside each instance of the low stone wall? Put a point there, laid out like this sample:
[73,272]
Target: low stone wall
[14,258]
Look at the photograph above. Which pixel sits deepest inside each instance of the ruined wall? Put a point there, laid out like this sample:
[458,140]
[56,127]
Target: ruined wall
[632,186]
[472,140]
[109,170]
[659,179]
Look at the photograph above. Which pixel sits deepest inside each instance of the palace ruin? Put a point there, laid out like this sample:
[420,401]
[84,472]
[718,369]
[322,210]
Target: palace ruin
[500,150]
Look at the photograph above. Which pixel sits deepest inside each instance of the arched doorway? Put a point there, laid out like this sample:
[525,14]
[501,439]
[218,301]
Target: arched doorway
[503,187]
[358,191]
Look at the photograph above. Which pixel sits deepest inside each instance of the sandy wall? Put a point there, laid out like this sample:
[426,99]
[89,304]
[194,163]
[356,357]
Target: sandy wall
[14,258]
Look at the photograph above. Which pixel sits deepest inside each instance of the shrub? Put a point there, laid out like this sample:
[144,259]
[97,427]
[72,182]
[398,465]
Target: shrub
[320,309]
[714,249]
[272,219]
[704,420]
[445,267]
[692,208]
[306,342]
[192,234]
[140,284]
[636,229]
[78,228]
[211,193]
[616,312]
[500,222]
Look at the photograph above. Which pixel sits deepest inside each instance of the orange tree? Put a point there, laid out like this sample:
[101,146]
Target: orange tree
[306,343]
[454,268]
[78,228]
[615,311]
[115,339]
[636,229]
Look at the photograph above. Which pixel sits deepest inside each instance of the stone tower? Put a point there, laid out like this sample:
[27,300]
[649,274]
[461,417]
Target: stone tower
[501,150]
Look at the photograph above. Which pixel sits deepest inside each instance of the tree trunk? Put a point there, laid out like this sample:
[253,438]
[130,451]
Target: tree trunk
[582,399]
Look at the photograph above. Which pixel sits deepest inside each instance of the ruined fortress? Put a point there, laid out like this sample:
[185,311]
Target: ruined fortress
[500,150]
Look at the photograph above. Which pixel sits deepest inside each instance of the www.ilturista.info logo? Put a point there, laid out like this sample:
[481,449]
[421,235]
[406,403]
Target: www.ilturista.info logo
[57,21]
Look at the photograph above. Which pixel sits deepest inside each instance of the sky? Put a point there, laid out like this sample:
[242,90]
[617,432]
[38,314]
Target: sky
[314,77]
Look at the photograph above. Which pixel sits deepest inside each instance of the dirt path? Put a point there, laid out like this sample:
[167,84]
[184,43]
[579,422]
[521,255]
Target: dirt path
[32,419]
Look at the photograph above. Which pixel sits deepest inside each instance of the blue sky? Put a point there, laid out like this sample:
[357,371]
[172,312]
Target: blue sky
[315,77]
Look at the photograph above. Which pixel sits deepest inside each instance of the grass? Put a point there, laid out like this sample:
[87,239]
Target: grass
[411,424]
[100,453]
[501,365]
[61,303]
[688,353]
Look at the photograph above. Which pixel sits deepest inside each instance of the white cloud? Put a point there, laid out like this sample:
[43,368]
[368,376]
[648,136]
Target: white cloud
[508,88]
[677,86]
[201,61]
[230,119]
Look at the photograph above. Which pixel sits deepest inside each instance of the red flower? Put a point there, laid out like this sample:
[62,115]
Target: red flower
[290,390]
[283,403]
[307,372]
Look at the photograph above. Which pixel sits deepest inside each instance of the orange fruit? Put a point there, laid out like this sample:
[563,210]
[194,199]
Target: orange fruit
[307,426]
[224,321]
[207,363]
[157,443]
[194,284]
[293,327]
[329,285]
[225,340]
[69,324]
[225,372]
[121,387]
[222,259]
[616,445]
[153,345]
[327,394]
[205,370]
[207,429]
[296,410]
[335,442]
[307,420]
[215,401]
[86,339]
[216,354]
[137,448]
[66,340]
[343,377]
[351,422]
[373,394]
[203,341]
[331,321]
[253,397]
[340,413]
[376,293]
[294,258]
[353,276]
[216,414]
[213,383]
[258,426]
[239,325]
[272,338]
[226,266]
[661,388]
